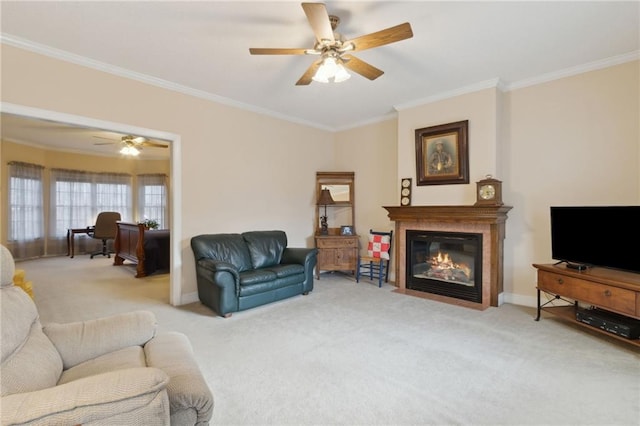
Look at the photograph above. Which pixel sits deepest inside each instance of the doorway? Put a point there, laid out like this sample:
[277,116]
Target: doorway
[175,291]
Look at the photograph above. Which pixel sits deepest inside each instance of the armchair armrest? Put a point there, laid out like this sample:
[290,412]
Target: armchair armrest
[189,394]
[80,341]
[130,392]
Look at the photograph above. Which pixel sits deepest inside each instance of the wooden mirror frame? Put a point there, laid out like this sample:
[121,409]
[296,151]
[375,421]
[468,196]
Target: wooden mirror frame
[329,179]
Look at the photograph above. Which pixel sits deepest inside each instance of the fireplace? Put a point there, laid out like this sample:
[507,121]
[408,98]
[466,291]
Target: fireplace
[445,263]
[487,223]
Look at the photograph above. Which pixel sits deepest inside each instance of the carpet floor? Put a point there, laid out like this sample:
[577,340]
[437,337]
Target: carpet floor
[356,354]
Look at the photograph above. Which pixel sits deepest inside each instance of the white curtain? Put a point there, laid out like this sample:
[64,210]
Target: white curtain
[76,199]
[26,217]
[152,199]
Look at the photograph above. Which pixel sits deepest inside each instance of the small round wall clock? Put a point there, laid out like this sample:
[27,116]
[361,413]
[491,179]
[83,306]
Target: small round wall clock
[405,192]
[489,192]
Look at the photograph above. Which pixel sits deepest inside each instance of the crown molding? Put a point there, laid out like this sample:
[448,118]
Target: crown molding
[487,84]
[580,69]
[63,55]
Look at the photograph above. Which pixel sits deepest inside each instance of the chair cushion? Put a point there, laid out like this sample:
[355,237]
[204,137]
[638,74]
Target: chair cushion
[130,357]
[379,246]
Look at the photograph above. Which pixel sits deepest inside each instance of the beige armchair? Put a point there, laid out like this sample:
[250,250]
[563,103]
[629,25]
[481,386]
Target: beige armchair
[107,371]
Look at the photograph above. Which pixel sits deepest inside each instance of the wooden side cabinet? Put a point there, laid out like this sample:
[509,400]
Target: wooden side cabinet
[336,253]
[609,289]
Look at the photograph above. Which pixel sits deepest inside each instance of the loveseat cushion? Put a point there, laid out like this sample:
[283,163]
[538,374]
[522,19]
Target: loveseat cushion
[256,276]
[230,248]
[287,270]
[265,247]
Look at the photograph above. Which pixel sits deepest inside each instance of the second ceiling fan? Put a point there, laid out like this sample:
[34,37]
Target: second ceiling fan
[332,48]
[132,145]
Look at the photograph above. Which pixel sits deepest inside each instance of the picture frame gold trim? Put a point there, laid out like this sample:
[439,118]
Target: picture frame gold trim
[442,154]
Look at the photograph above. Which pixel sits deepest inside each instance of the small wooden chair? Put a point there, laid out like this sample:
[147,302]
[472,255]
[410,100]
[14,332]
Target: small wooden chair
[376,263]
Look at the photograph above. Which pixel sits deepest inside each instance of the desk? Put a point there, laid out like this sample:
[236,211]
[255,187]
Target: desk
[71,232]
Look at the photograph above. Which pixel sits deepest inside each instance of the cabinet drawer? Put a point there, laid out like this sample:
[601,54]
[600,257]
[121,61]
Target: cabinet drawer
[337,242]
[602,295]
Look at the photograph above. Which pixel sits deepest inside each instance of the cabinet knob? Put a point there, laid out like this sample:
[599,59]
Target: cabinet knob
[560,281]
[607,293]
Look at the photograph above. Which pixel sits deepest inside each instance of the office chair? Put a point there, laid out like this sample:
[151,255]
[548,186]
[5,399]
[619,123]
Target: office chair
[105,229]
[376,263]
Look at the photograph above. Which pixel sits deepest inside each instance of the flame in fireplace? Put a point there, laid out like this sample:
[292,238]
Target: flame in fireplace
[444,268]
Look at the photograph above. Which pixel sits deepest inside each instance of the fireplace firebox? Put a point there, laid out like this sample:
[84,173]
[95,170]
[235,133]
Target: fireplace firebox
[445,263]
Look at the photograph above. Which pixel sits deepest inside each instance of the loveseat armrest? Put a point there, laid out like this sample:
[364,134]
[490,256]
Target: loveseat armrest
[218,285]
[302,256]
[189,395]
[117,397]
[83,340]
[298,255]
[214,266]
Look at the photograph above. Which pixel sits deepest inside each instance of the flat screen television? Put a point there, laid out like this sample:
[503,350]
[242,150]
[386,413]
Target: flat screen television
[607,236]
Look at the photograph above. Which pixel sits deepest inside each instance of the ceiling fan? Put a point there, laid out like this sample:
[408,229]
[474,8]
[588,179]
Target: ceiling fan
[132,145]
[332,48]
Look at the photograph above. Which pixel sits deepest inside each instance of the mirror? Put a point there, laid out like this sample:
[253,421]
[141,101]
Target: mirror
[339,193]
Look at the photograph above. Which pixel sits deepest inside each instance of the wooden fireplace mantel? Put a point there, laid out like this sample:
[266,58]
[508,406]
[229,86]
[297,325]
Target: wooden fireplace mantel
[472,214]
[487,220]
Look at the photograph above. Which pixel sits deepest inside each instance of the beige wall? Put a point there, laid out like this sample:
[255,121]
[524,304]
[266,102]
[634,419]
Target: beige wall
[481,109]
[573,141]
[239,170]
[371,152]
[570,141]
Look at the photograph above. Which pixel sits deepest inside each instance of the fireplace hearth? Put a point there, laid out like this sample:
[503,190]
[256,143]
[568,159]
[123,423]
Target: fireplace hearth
[485,222]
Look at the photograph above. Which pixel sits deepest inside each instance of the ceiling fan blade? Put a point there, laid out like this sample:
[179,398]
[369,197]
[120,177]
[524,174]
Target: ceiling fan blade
[319,20]
[308,74]
[102,137]
[153,144]
[380,38]
[104,143]
[276,51]
[361,67]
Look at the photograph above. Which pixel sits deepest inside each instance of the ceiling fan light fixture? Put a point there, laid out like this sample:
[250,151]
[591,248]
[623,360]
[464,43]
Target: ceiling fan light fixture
[331,69]
[341,74]
[130,150]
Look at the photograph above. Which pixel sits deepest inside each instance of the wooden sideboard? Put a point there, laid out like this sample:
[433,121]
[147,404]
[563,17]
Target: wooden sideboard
[336,253]
[608,289]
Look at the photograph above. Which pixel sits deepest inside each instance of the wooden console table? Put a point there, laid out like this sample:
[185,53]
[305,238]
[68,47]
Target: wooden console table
[336,253]
[609,289]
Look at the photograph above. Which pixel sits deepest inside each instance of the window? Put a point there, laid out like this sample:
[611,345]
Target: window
[77,197]
[152,198]
[26,218]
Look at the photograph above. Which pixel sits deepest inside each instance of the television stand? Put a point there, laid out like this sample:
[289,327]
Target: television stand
[609,289]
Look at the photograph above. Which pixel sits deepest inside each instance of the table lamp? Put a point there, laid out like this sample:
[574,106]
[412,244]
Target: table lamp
[324,200]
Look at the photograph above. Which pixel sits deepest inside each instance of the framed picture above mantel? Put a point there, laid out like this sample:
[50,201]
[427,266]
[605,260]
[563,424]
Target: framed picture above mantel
[442,154]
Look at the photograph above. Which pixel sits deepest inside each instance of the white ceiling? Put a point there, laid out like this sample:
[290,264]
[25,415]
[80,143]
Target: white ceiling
[202,48]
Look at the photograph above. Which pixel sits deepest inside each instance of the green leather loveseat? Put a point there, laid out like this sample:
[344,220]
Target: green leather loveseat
[241,271]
